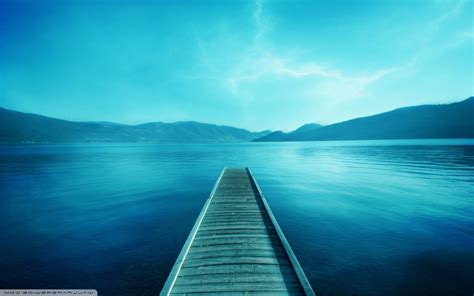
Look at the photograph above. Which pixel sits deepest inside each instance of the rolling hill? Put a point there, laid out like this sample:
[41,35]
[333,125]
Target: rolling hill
[18,127]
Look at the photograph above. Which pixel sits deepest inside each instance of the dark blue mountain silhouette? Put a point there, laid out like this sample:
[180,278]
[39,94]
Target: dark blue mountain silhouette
[454,120]
[18,127]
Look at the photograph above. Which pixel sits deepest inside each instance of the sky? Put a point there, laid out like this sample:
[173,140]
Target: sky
[253,64]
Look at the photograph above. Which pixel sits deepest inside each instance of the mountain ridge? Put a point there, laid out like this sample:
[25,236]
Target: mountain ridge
[454,120]
[19,127]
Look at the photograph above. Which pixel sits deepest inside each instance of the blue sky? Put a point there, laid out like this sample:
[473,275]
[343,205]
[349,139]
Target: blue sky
[252,64]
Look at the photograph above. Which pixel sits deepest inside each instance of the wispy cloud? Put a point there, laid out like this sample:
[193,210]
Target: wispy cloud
[452,12]
[430,46]
[257,16]
[260,63]
[467,34]
[259,69]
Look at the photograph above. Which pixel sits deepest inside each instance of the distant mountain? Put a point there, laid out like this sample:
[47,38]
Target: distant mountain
[281,136]
[305,128]
[17,127]
[454,120]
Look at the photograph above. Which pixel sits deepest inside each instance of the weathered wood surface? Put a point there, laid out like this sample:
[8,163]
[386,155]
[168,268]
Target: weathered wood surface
[236,246]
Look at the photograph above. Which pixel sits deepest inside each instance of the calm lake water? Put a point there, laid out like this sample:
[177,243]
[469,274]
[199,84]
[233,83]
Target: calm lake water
[364,218]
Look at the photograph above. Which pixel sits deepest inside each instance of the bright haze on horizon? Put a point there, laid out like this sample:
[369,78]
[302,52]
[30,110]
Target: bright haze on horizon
[252,64]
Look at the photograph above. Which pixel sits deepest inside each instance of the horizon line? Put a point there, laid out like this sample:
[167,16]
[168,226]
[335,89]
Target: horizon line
[226,125]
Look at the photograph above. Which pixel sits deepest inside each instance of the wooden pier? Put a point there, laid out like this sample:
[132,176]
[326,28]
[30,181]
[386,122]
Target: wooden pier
[236,246]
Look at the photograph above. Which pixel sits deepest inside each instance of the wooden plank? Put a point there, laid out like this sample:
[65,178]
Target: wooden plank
[236,246]
[248,246]
[237,227]
[222,243]
[241,215]
[230,293]
[236,240]
[213,253]
[237,269]
[240,234]
[254,287]
[235,223]
[236,260]
[232,278]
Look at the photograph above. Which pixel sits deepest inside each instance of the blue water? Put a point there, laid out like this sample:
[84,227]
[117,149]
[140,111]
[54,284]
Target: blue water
[364,218]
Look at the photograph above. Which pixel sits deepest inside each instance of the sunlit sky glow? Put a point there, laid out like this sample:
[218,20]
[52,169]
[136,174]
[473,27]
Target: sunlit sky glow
[258,65]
